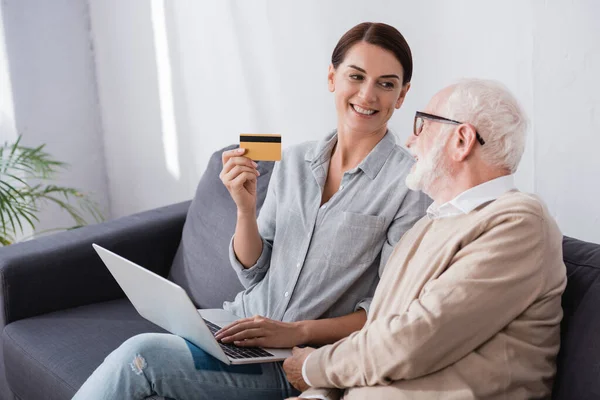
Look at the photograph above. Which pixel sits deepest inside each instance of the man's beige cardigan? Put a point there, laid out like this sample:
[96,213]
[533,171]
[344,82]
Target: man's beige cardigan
[468,307]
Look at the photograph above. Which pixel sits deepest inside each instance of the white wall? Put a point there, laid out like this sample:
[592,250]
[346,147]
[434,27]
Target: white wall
[178,80]
[50,94]
[143,165]
[566,89]
[8,132]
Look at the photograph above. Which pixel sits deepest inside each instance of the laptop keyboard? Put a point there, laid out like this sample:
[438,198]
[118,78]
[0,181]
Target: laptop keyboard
[236,352]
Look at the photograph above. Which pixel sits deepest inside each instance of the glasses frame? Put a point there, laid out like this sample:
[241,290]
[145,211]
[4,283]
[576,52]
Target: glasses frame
[441,120]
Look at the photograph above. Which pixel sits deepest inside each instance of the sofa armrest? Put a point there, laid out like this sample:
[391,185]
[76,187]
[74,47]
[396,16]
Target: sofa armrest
[62,271]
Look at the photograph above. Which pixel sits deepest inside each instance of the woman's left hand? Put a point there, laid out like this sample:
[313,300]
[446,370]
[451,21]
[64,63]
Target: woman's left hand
[261,332]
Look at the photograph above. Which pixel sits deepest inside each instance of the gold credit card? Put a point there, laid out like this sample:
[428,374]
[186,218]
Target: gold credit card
[261,146]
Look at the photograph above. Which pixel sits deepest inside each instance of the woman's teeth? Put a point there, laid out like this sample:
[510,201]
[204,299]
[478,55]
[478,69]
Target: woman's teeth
[362,111]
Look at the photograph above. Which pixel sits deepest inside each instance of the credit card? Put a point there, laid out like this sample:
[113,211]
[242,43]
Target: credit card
[261,146]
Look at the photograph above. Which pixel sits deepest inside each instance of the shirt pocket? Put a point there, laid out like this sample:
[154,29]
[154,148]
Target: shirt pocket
[358,239]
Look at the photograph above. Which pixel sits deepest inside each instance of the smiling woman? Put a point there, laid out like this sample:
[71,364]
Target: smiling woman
[311,261]
[370,73]
[368,87]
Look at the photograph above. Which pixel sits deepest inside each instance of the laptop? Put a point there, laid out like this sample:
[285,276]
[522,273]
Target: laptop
[167,305]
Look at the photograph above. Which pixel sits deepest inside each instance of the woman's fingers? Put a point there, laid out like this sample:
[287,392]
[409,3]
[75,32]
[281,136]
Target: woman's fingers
[241,179]
[255,342]
[239,175]
[232,330]
[226,155]
[239,325]
[237,171]
[233,161]
[250,333]
[231,325]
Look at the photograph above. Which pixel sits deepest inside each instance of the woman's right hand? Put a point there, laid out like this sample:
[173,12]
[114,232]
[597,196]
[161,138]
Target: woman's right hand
[239,175]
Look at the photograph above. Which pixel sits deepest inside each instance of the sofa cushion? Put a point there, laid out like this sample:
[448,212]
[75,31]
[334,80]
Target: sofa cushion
[50,356]
[578,374]
[201,265]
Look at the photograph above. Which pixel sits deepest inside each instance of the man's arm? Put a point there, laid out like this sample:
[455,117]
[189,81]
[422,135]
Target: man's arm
[489,283]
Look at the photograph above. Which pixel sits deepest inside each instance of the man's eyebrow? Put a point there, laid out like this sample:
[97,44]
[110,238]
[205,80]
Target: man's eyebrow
[382,76]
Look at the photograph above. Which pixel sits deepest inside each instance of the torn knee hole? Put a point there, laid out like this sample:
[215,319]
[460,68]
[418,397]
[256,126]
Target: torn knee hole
[138,364]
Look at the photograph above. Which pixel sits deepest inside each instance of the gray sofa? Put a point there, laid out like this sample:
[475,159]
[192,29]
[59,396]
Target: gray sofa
[62,312]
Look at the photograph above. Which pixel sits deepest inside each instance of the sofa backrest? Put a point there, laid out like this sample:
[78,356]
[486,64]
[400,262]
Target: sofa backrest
[201,265]
[578,374]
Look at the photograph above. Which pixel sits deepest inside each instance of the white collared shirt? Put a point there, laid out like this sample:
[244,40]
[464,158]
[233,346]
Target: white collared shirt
[464,203]
[472,198]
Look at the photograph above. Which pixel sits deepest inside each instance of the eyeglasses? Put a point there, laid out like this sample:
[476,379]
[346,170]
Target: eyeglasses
[420,118]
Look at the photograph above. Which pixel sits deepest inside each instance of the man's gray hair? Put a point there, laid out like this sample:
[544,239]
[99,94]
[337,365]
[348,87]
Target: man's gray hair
[497,116]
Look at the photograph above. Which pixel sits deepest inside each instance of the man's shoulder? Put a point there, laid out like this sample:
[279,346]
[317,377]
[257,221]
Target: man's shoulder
[520,203]
[528,209]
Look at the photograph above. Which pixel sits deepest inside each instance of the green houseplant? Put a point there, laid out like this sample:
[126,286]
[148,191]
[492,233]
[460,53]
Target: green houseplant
[26,176]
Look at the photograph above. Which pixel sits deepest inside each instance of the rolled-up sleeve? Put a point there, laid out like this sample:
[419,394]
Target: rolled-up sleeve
[365,304]
[249,276]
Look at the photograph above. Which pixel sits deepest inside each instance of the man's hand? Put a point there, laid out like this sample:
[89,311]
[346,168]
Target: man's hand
[261,332]
[293,367]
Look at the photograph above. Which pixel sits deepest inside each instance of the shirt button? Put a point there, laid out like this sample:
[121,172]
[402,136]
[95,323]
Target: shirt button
[324,206]
[298,265]
[286,294]
[342,187]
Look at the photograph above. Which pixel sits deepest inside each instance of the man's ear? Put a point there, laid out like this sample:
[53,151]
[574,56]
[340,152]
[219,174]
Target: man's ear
[331,78]
[465,141]
[403,93]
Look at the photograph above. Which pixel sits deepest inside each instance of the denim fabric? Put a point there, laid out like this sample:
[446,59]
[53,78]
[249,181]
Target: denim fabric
[154,365]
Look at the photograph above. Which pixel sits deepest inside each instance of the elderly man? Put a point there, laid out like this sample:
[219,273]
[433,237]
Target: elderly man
[469,304]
